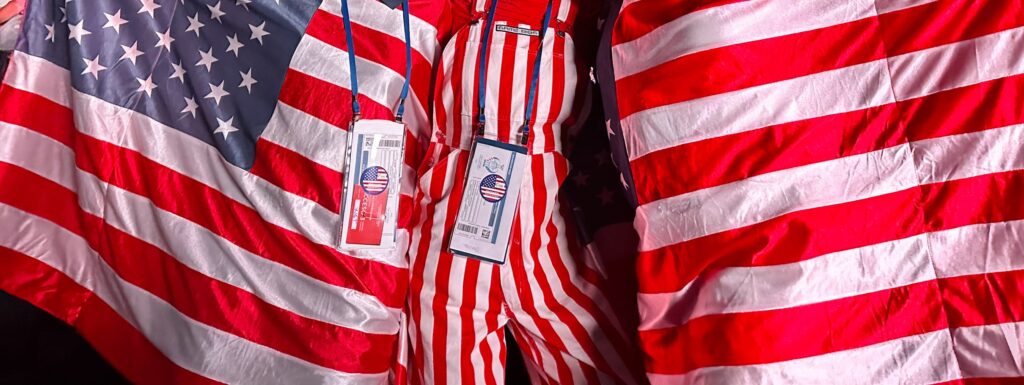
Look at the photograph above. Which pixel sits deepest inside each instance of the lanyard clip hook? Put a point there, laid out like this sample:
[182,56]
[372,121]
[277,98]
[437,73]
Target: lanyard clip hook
[355,118]
[480,126]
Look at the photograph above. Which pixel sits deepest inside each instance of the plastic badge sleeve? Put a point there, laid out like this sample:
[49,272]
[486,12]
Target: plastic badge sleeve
[489,201]
[373,174]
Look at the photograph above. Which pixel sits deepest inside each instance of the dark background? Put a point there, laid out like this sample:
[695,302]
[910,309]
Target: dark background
[39,349]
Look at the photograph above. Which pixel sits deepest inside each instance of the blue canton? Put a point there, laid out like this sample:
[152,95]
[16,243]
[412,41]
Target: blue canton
[212,69]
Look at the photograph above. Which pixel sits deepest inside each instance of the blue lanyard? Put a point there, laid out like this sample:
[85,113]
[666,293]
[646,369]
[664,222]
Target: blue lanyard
[482,73]
[481,85]
[532,92]
[352,61]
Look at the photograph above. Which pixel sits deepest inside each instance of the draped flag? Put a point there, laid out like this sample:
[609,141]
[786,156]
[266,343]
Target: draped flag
[829,191]
[170,182]
[603,217]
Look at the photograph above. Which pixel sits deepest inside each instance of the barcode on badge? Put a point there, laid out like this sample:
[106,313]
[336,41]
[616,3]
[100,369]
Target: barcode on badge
[468,228]
[388,143]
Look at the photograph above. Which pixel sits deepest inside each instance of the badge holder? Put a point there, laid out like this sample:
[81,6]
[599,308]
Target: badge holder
[373,174]
[494,176]
[374,160]
[490,198]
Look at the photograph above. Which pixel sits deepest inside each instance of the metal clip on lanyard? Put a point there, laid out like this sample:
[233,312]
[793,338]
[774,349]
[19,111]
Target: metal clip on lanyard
[524,131]
[353,76]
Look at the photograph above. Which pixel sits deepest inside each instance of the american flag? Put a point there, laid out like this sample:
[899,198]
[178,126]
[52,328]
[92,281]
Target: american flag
[374,180]
[492,188]
[830,191]
[603,216]
[177,171]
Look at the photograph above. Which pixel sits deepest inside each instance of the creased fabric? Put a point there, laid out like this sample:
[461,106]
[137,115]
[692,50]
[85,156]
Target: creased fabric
[827,190]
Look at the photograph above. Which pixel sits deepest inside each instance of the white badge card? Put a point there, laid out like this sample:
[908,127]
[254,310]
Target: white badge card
[489,200]
[373,175]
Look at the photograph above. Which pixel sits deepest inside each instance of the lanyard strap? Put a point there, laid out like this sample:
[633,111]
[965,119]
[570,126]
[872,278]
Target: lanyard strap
[532,92]
[524,131]
[481,86]
[408,62]
[353,75]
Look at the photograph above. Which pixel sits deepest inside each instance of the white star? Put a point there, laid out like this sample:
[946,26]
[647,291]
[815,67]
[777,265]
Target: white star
[148,6]
[114,21]
[179,72]
[190,107]
[146,86]
[165,39]
[234,45]
[225,127]
[247,80]
[194,25]
[243,3]
[93,67]
[258,32]
[131,53]
[216,92]
[206,59]
[63,14]
[49,32]
[215,12]
[77,31]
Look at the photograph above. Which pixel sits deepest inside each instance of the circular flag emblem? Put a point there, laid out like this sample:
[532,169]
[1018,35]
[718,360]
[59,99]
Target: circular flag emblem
[374,180]
[492,188]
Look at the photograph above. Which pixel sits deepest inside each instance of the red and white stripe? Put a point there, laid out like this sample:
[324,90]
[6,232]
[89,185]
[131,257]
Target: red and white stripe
[842,204]
[459,307]
[492,194]
[188,270]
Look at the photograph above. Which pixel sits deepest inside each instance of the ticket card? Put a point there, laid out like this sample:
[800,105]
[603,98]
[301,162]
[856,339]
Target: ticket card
[372,185]
[490,199]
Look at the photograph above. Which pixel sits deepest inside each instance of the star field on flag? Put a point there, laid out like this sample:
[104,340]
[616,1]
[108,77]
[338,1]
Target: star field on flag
[211,69]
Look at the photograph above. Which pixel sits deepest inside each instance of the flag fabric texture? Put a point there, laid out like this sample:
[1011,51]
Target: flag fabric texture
[603,217]
[460,307]
[171,182]
[829,191]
